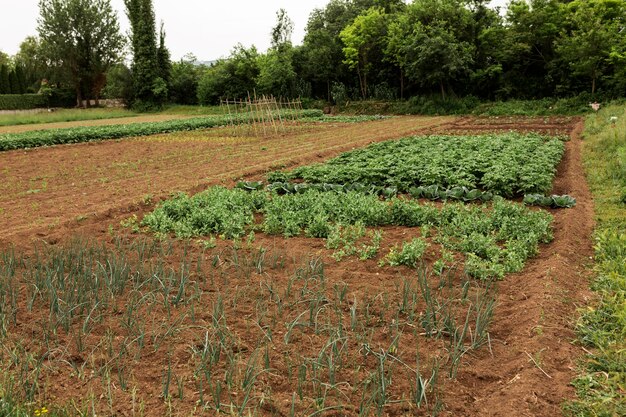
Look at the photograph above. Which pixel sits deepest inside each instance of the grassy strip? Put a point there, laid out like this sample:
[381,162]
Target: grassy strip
[497,239]
[425,105]
[602,385]
[64,115]
[506,165]
[88,134]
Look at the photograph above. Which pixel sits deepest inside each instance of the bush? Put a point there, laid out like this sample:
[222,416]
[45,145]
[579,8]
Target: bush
[22,101]
[63,97]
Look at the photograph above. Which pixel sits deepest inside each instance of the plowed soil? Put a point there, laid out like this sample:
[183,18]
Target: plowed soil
[42,189]
[56,193]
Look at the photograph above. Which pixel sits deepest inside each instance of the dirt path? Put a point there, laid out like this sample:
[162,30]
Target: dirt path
[44,189]
[535,317]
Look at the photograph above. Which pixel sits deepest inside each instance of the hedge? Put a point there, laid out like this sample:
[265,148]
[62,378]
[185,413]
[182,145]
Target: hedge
[39,138]
[22,101]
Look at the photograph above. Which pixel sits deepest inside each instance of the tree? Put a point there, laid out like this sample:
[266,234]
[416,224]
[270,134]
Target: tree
[363,38]
[430,42]
[276,73]
[164,63]
[4,58]
[80,38]
[30,58]
[149,88]
[233,77]
[119,83]
[281,33]
[5,84]
[594,29]
[533,27]
[322,50]
[184,80]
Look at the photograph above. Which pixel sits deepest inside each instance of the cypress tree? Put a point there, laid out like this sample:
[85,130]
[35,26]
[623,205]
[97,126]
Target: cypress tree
[20,76]
[163,58]
[149,88]
[13,83]
[5,86]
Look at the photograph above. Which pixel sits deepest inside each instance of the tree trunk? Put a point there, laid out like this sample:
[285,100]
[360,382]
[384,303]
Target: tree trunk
[79,98]
[361,82]
[328,89]
[364,85]
[401,84]
[593,85]
[443,90]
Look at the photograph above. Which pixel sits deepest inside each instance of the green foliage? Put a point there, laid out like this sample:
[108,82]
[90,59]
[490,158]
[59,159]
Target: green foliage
[234,77]
[555,201]
[149,84]
[593,32]
[216,211]
[508,165]
[119,83]
[345,240]
[82,38]
[602,327]
[184,81]
[410,254]
[31,58]
[429,42]
[22,101]
[362,40]
[5,84]
[498,238]
[276,74]
[94,133]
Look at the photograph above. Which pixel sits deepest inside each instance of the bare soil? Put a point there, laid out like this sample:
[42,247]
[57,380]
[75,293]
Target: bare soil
[43,189]
[57,193]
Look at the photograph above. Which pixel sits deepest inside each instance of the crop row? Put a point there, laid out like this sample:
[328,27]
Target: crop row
[497,238]
[508,165]
[48,137]
[431,192]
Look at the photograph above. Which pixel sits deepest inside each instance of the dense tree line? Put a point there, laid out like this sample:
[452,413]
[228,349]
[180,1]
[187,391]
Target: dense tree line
[389,49]
[353,49]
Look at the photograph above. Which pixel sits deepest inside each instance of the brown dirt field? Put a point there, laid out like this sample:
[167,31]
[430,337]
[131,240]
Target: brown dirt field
[553,125]
[42,189]
[535,315]
[98,122]
[104,183]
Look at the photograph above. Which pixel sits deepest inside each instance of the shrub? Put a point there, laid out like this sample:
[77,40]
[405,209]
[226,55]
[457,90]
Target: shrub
[22,101]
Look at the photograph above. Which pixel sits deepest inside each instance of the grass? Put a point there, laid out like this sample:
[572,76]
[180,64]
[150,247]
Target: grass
[434,105]
[178,109]
[64,115]
[602,328]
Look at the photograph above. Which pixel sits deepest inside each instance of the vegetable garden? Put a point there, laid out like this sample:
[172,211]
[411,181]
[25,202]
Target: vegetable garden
[367,285]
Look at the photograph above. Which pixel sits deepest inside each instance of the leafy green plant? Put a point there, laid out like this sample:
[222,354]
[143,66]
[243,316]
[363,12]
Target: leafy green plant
[438,167]
[555,201]
[410,253]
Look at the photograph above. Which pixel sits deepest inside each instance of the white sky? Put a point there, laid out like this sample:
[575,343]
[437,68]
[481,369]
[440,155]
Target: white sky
[207,28]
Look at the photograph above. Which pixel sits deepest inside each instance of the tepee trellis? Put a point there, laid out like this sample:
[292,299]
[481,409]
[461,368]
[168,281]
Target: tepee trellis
[264,115]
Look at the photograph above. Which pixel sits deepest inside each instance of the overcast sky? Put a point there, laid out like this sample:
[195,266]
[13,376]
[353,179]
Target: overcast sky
[207,28]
